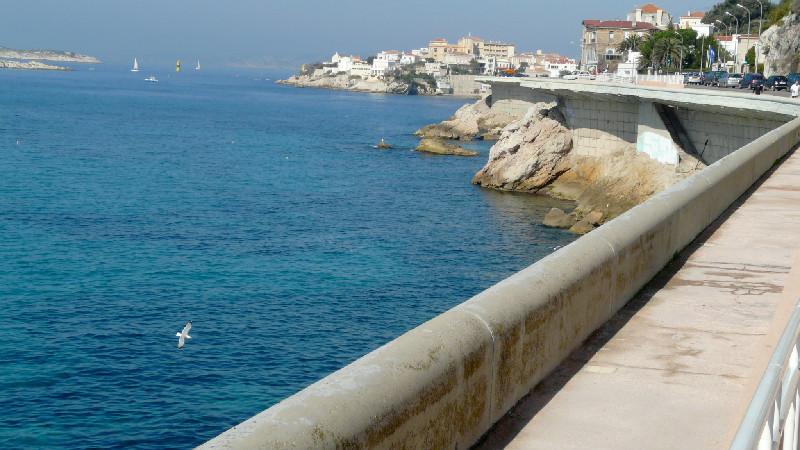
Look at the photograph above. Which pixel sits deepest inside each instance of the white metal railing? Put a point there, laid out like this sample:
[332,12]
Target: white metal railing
[771,420]
[669,79]
[614,78]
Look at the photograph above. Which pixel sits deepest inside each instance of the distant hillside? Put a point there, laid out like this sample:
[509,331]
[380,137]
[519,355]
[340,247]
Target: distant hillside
[47,55]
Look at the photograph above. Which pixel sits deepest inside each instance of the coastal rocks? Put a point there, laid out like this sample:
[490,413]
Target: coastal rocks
[29,65]
[47,55]
[557,218]
[383,144]
[531,152]
[441,147]
[469,121]
[612,184]
[340,81]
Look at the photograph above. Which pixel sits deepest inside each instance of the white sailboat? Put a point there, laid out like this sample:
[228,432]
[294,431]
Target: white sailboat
[198,66]
[135,66]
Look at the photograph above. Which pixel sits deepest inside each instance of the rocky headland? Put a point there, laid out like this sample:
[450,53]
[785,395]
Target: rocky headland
[47,55]
[29,65]
[29,59]
[323,80]
[535,154]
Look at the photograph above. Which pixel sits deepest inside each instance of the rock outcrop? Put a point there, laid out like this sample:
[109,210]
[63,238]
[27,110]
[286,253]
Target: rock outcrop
[781,43]
[535,154]
[341,81]
[29,65]
[468,122]
[531,153]
[47,55]
[442,147]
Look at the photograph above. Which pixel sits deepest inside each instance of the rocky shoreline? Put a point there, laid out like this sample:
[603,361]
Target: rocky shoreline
[29,59]
[343,82]
[47,55]
[29,65]
[535,154]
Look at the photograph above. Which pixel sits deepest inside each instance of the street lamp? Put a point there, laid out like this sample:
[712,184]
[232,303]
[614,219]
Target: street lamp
[748,28]
[680,36]
[736,44]
[760,19]
[723,24]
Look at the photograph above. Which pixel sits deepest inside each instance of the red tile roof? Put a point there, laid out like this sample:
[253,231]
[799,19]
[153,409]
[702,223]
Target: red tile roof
[695,14]
[618,24]
[473,38]
[648,8]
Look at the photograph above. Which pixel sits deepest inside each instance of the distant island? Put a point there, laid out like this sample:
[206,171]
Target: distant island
[29,59]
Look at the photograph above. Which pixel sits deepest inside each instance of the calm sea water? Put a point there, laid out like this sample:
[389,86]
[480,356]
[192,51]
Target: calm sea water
[261,212]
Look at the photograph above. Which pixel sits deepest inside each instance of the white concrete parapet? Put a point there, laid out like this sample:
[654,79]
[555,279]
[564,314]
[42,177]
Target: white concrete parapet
[443,384]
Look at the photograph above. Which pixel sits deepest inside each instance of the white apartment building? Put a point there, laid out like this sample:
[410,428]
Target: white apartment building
[361,69]
[409,58]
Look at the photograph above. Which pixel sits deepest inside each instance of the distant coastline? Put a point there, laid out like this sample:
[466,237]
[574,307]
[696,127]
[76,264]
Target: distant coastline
[29,59]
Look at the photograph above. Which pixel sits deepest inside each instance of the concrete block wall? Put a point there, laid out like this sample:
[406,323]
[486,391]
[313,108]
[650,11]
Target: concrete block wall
[600,127]
[516,100]
[726,132]
[443,384]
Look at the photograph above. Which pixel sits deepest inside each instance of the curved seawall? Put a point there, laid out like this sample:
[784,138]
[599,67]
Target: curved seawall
[443,384]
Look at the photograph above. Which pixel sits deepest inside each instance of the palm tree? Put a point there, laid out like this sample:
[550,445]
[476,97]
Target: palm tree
[631,43]
[667,50]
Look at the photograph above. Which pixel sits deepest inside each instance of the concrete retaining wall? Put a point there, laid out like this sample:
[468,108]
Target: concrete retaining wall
[600,127]
[443,384]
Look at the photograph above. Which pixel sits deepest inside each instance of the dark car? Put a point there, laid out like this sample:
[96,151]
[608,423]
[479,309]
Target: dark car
[791,78]
[716,77]
[776,82]
[709,78]
[751,80]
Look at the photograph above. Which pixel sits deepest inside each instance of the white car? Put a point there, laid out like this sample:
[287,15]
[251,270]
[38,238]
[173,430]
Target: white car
[570,76]
[584,75]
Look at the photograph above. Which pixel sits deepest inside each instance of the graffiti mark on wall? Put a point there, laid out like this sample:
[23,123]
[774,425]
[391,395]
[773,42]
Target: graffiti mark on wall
[660,148]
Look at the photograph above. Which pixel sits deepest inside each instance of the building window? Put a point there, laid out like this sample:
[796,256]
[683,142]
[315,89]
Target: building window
[610,36]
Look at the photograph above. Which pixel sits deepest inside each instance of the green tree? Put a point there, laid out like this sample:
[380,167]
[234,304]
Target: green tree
[632,43]
[523,66]
[750,57]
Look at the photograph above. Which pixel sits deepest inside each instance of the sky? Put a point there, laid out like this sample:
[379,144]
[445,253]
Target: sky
[285,34]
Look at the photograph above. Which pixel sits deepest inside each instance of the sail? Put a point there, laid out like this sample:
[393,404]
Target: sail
[135,66]
[198,66]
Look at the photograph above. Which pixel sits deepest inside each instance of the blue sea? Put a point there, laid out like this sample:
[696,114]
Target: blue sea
[261,212]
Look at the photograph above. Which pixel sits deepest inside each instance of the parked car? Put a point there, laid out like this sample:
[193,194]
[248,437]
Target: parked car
[751,80]
[715,77]
[692,78]
[775,82]
[584,75]
[791,78]
[730,80]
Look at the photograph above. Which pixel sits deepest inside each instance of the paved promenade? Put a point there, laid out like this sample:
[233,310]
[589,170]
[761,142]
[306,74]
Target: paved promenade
[677,367]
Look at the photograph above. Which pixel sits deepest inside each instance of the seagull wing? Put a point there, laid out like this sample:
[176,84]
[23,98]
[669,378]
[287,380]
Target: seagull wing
[181,341]
[186,328]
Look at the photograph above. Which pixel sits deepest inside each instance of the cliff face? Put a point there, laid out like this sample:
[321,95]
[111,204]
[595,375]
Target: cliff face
[781,44]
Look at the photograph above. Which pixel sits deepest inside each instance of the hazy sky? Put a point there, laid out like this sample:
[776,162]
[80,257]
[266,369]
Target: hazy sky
[269,33]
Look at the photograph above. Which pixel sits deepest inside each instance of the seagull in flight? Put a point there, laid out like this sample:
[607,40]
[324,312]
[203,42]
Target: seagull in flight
[183,335]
